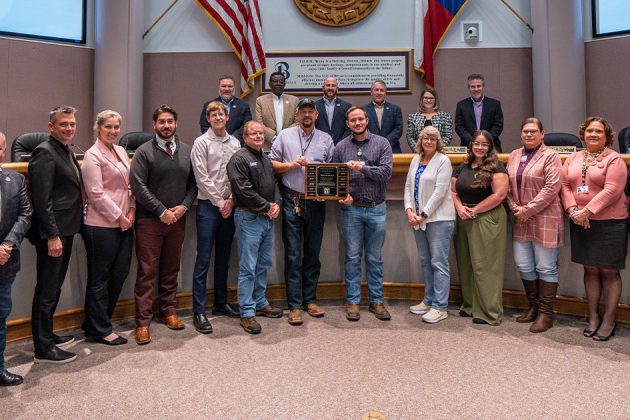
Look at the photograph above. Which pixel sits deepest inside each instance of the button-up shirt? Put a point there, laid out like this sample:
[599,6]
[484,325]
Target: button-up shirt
[162,144]
[209,157]
[379,112]
[477,109]
[292,142]
[330,109]
[278,106]
[369,184]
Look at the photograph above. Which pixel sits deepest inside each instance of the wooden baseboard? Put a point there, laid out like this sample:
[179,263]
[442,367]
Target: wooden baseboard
[18,329]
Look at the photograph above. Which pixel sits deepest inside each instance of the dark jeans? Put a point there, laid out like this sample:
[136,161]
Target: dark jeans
[5,310]
[108,262]
[302,266]
[212,229]
[51,272]
[159,252]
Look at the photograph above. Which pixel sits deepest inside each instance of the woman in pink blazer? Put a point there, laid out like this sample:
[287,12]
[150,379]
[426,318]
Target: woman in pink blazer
[593,182]
[538,230]
[107,233]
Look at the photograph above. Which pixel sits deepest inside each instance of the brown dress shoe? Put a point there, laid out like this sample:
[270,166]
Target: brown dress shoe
[250,325]
[295,317]
[269,312]
[352,312]
[173,322]
[379,311]
[143,335]
[315,310]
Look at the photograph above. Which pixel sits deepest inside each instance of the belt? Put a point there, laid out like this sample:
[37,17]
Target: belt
[291,192]
[368,204]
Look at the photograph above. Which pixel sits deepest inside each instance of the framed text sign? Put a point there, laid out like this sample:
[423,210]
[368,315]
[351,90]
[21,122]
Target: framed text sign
[355,71]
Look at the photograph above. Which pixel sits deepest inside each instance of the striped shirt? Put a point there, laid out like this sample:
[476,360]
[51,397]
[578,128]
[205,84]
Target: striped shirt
[370,184]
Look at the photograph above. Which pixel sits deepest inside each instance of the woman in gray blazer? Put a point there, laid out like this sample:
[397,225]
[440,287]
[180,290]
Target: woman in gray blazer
[430,212]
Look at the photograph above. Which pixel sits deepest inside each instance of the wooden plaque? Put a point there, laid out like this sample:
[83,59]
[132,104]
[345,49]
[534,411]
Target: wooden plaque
[326,181]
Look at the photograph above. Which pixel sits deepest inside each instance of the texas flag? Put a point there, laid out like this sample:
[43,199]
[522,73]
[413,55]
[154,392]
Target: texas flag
[433,18]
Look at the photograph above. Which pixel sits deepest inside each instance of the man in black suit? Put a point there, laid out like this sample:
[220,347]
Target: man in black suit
[478,113]
[384,118]
[15,219]
[238,111]
[332,112]
[56,194]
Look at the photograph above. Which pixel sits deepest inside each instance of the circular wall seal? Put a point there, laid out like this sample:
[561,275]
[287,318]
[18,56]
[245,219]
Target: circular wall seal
[336,12]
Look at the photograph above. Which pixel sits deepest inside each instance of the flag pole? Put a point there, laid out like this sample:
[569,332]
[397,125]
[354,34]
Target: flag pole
[517,15]
[158,19]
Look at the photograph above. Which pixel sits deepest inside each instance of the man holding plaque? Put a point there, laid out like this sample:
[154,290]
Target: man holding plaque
[302,220]
[364,215]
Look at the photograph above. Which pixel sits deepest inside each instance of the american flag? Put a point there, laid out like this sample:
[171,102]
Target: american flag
[239,20]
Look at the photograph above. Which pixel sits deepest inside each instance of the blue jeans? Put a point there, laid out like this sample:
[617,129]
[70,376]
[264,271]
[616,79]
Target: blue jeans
[363,229]
[536,262]
[433,246]
[301,273]
[212,229]
[254,236]
[5,310]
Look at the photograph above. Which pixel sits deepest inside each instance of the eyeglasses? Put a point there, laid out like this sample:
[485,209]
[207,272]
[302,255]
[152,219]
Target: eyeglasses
[477,144]
[428,98]
[429,139]
[530,132]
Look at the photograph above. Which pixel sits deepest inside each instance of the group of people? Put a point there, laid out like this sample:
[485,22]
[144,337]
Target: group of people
[232,170]
[469,203]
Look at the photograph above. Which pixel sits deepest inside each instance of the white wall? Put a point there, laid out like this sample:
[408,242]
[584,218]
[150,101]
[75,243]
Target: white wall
[390,26]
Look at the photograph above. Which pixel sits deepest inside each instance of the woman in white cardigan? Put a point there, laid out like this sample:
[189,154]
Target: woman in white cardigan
[431,213]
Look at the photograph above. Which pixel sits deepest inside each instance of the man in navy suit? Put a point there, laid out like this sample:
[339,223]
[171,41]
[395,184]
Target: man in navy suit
[56,195]
[15,219]
[238,111]
[384,118]
[478,113]
[332,112]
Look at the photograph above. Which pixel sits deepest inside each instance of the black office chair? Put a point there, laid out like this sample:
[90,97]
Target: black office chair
[131,141]
[562,139]
[24,144]
[624,140]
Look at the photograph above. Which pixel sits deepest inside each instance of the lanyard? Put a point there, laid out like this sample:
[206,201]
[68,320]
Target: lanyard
[308,141]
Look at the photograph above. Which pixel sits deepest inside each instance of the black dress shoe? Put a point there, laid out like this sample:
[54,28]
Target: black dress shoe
[598,337]
[118,341]
[55,356]
[590,333]
[62,340]
[480,321]
[464,314]
[10,379]
[202,324]
[225,310]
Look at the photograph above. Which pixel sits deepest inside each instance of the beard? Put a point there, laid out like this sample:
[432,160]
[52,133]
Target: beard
[227,97]
[358,132]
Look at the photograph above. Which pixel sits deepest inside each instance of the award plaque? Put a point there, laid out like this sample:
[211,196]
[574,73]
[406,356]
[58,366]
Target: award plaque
[326,181]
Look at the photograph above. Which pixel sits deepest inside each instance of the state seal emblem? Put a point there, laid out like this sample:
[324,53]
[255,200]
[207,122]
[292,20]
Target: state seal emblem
[336,12]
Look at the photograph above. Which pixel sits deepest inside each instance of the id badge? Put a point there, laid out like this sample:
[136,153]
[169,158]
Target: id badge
[582,189]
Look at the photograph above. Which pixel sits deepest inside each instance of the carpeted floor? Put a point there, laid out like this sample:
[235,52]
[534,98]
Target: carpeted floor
[330,368]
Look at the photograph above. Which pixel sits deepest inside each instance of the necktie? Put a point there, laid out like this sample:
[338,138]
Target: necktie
[169,150]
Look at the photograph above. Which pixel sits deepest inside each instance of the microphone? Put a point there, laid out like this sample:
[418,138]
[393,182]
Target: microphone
[78,147]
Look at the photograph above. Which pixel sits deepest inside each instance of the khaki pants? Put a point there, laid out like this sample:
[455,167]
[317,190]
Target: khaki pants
[480,248]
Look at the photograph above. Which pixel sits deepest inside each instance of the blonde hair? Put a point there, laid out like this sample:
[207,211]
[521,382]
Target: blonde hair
[104,115]
[432,133]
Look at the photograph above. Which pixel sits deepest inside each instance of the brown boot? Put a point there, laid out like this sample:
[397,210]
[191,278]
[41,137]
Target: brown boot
[547,299]
[531,291]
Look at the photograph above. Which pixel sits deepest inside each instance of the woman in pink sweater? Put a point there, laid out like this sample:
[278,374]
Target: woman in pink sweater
[593,182]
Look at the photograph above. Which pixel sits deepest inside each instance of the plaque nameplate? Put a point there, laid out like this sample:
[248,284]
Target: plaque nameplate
[455,149]
[326,181]
[563,149]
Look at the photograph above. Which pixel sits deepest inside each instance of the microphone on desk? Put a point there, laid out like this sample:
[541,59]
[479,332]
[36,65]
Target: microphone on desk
[78,147]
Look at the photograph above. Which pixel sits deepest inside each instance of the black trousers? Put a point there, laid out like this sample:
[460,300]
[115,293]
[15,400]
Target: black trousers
[108,261]
[51,272]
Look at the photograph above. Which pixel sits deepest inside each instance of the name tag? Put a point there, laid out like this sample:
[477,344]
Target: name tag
[582,189]
[253,164]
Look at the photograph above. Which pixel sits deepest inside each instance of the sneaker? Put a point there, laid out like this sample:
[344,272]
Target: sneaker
[55,356]
[419,309]
[434,316]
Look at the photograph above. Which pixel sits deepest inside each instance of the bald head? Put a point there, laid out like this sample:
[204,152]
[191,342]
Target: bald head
[330,88]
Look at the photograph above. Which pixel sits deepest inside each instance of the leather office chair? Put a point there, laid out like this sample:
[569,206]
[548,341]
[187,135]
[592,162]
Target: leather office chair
[562,139]
[24,144]
[624,140]
[131,141]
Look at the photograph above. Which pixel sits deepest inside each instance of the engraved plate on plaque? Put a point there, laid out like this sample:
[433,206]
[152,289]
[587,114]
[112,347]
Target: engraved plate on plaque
[326,181]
